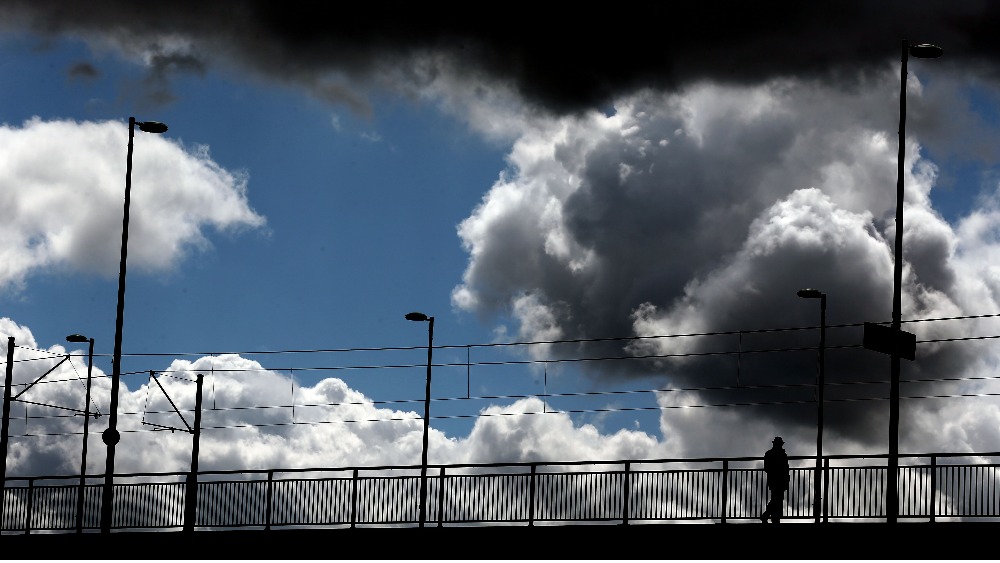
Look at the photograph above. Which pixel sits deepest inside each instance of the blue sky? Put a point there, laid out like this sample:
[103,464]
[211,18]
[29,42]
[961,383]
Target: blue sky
[303,203]
[353,207]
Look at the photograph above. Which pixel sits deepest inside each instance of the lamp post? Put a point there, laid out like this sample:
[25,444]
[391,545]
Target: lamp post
[5,424]
[86,427]
[820,384]
[191,487]
[111,436]
[922,51]
[420,317]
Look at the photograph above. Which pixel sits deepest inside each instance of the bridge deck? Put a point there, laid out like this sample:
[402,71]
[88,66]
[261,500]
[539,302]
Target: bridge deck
[940,540]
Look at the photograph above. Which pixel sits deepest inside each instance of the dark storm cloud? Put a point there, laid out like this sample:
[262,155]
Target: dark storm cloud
[704,212]
[564,60]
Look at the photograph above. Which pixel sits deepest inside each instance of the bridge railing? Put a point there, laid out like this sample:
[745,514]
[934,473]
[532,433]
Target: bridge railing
[931,487]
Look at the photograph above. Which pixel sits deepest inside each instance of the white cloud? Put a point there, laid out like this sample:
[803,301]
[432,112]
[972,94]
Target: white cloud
[252,419]
[762,190]
[62,183]
[524,431]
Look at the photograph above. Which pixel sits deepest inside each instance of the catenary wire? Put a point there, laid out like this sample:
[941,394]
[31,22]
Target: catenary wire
[466,364]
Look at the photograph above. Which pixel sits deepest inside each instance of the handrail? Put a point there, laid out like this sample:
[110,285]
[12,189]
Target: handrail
[505,464]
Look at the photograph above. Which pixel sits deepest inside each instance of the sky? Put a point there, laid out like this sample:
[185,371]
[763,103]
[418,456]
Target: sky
[608,215]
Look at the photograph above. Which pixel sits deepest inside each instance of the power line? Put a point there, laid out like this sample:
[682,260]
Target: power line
[537,342]
[550,411]
[467,364]
[790,386]
[559,360]
[520,343]
[581,394]
[279,369]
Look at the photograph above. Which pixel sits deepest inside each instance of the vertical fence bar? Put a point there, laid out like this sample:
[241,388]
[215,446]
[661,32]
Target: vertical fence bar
[626,492]
[932,501]
[268,499]
[31,506]
[974,482]
[355,484]
[725,490]
[531,495]
[826,489]
[979,487]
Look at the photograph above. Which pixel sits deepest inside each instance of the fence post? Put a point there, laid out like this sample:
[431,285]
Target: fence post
[826,489]
[354,498]
[626,492]
[725,490]
[933,488]
[268,496]
[440,502]
[531,496]
[31,506]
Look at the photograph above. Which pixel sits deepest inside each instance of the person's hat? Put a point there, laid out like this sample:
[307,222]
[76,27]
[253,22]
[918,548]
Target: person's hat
[777,440]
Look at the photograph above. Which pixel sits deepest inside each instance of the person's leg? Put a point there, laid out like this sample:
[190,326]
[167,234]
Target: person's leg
[772,511]
[779,501]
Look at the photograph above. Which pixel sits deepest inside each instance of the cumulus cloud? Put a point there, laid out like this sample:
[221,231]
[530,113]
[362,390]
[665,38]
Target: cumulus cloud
[256,418]
[704,211]
[63,186]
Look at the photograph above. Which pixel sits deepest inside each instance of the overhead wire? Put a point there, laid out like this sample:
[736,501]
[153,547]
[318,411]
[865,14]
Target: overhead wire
[557,411]
[560,360]
[168,373]
[277,369]
[546,342]
[696,389]
[495,414]
[531,343]
[79,377]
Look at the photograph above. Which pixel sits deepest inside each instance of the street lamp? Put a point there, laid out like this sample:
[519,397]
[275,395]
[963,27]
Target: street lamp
[86,427]
[420,317]
[111,436]
[820,383]
[921,51]
[5,424]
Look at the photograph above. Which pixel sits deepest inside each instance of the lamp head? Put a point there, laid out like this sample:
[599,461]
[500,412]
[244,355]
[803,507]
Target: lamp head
[151,126]
[415,316]
[77,338]
[810,293]
[926,51]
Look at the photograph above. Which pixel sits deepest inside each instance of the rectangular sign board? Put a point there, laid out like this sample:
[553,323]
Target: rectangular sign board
[884,339]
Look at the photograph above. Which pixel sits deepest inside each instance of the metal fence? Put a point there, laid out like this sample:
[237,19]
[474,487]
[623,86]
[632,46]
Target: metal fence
[931,487]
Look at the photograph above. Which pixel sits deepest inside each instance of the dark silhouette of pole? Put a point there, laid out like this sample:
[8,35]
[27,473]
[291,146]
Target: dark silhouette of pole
[111,436]
[892,493]
[86,428]
[5,429]
[427,412]
[820,386]
[191,492]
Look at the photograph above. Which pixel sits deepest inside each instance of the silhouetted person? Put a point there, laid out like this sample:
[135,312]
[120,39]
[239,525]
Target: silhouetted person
[776,468]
